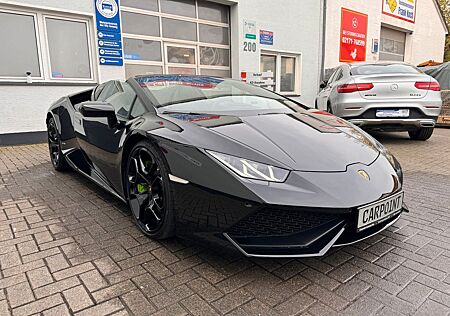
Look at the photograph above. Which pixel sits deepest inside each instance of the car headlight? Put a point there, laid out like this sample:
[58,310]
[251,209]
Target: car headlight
[250,169]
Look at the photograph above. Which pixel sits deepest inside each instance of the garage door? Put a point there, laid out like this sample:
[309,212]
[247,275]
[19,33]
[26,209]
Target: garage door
[392,45]
[176,37]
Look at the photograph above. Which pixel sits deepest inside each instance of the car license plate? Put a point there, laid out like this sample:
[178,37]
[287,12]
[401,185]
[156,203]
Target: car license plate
[377,212]
[393,113]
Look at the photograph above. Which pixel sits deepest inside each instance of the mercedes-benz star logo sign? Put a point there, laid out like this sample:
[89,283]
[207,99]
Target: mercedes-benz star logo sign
[394,87]
[364,174]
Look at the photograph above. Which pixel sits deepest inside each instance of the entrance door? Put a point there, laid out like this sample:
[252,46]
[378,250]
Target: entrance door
[392,46]
[180,59]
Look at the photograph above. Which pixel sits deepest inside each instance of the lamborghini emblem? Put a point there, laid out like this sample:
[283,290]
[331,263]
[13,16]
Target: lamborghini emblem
[364,174]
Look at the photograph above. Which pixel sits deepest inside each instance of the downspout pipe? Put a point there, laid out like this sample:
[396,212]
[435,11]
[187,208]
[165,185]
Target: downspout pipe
[324,33]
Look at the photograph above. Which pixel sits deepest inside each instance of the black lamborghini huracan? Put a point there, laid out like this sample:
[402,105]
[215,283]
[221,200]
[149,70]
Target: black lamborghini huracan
[228,163]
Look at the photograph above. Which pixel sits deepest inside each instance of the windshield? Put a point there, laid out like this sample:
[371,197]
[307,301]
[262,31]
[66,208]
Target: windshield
[202,94]
[382,69]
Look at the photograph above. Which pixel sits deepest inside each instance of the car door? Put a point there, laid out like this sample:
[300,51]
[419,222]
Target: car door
[102,142]
[325,93]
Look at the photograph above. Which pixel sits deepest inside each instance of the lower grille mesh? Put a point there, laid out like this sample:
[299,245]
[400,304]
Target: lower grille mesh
[278,222]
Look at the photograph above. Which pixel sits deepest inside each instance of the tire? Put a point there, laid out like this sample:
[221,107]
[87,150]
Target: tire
[423,133]
[148,191]
[59,162]
[329,109]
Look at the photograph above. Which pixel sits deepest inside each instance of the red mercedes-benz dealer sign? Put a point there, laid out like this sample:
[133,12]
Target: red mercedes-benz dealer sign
[353,36]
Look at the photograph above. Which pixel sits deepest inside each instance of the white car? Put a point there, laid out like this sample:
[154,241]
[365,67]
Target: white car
[385,96]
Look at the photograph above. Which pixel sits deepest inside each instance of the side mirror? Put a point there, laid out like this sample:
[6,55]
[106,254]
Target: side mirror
[323,84]
[99,109]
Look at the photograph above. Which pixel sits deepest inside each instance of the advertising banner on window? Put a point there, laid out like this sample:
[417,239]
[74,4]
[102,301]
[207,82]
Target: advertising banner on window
[401,9]
[353,36]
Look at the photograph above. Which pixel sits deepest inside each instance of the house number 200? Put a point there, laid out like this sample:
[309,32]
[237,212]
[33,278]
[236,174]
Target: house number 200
[249,47]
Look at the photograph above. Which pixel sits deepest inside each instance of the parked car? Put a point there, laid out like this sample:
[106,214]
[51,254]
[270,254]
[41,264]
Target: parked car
[228,163]
[386,96]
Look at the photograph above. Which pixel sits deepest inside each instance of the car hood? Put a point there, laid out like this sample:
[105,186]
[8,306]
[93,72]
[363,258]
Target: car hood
[310,141]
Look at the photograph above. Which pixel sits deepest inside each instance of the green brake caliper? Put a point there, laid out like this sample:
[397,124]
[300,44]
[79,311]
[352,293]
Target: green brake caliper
[142,188]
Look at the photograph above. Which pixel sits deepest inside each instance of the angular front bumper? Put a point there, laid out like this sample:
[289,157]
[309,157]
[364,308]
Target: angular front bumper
[312,242]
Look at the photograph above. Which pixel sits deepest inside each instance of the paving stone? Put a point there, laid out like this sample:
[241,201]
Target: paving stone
[19,294]
[77,298]
[56,262]
[39,277]
[415,293]
[93,280]
[138,303]
[66,273]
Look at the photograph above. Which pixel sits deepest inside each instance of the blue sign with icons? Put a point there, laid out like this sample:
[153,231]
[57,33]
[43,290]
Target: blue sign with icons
[106,52]
[107,13]
[109,36]
[108,61]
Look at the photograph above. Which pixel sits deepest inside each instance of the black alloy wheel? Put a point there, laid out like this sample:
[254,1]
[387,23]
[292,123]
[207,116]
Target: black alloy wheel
[54,146]
[149,191]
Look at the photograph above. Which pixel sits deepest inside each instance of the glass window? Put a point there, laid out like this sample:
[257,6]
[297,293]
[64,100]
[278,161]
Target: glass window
[141,24]
[179,7]
[387,68]
[180,55]
[109,90]
[216,72]
[212,11]
[137,49]
[151,5]
[269,63]
[138,108]
[287,80]
[136,70]
[212,56]
[97,91]
[179,29]
[69,55]
[18,46]
[211,95]
[122,100]
[213,34]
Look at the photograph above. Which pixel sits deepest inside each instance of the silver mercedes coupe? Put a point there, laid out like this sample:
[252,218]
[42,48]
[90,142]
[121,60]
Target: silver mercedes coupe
[384,96]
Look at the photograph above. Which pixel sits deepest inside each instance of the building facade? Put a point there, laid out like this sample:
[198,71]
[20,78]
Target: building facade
[51,48]
[412,31]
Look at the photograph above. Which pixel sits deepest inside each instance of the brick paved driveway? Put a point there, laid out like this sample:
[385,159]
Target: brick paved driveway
[68,247]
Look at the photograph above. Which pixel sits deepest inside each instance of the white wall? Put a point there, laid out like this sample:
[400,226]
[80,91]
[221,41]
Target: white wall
[23,108]
[297,29]
[425,39]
